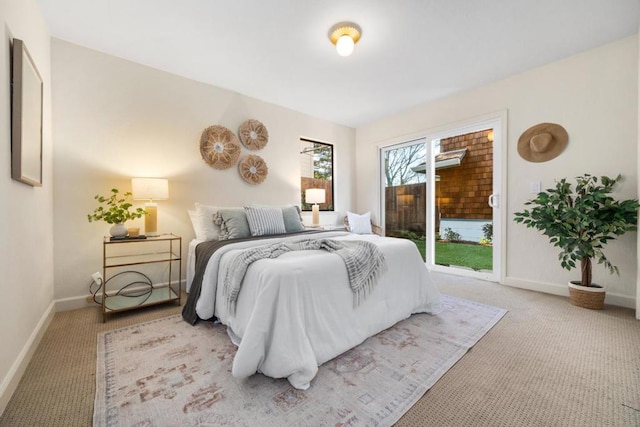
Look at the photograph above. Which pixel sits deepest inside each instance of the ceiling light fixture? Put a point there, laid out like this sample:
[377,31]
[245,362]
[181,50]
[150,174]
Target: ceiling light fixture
[345,35]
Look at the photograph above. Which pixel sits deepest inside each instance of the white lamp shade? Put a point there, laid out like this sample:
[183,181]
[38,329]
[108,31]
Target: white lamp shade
[315,195]
[150,188]
[345,45]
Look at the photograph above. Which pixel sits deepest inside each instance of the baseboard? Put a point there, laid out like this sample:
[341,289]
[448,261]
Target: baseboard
[74,303]
[620,300]
[563,290]
[11,381]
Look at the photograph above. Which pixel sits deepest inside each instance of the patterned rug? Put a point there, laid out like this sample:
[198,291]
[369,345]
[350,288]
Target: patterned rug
[169,373]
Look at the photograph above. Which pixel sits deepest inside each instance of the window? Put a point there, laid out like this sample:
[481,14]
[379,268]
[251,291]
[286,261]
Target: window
[316,171]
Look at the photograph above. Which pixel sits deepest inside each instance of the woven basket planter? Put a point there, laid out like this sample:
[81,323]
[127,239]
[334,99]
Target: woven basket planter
[586,296]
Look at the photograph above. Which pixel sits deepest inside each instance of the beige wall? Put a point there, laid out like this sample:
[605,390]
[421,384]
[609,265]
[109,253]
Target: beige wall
[115,119]
[594,95]
[26,229]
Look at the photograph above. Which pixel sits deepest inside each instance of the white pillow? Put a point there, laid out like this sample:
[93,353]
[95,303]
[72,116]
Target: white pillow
[359,224]
[208,229]
[265,221]
[196,224]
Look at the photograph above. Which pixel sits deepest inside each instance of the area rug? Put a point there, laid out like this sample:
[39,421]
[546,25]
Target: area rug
[169,373]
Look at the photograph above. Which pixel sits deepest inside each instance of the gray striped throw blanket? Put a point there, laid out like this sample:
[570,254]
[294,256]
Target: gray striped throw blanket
[364,261]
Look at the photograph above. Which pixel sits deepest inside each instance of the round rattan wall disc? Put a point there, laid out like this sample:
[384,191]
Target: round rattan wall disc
[253,134]
[219,147]
[253,169]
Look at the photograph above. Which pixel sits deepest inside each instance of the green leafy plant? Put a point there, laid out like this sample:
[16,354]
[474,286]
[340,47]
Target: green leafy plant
[581,222]
[487,231]
[115,209]
[451,235]
[411,235]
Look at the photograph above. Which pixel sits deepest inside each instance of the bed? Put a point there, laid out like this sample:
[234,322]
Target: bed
[297,311]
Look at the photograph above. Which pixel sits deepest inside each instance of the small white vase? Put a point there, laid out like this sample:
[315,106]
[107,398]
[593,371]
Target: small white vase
[118,230]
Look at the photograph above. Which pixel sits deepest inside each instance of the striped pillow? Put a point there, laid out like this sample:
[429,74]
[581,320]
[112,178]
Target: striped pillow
[265,221]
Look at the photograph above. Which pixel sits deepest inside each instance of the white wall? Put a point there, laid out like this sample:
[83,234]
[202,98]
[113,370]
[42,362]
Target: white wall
[594,95]
[115,119]
[638,166]
[468,229]
[26,229]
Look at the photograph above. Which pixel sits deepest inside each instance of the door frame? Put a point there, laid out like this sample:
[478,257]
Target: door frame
[497,121]
[407,142]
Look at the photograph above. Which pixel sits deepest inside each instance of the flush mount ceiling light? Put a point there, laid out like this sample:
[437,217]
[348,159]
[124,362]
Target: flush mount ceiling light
[344,35]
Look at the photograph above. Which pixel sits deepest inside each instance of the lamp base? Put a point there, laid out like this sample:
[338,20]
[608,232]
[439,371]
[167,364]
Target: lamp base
[315,214]
[151,219]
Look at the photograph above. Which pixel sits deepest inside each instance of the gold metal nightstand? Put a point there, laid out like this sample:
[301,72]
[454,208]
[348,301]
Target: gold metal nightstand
[131,275]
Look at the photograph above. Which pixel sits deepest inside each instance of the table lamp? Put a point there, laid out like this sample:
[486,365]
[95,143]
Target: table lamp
[150,189]
[315,196]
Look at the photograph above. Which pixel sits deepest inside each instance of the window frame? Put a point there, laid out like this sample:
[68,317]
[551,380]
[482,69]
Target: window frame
[305,207]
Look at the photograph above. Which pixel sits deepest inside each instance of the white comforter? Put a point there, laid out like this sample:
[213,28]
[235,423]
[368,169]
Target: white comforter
[296,312]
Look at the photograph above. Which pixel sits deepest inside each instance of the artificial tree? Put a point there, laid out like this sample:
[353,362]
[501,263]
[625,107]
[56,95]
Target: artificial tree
[581,221]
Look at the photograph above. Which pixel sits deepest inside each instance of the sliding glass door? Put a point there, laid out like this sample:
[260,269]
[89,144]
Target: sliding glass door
[463,167]
[404,191]
[443,193]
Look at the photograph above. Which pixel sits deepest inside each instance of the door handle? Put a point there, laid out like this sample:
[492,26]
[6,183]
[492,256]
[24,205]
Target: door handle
[493,200]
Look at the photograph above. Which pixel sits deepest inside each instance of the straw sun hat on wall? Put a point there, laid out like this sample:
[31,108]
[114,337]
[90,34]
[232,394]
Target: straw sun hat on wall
[542,142]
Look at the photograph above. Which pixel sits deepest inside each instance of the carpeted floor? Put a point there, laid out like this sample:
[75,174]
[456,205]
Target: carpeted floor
[546,363]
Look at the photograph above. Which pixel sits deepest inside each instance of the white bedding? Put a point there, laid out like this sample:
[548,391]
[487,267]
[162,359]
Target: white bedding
[296,312]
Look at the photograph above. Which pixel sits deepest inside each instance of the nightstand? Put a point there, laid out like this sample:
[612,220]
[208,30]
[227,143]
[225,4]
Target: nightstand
[140,272]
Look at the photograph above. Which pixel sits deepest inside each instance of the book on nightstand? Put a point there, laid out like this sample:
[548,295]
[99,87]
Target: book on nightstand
[139,237]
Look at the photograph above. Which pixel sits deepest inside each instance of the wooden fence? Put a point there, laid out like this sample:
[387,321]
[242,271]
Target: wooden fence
[405,209]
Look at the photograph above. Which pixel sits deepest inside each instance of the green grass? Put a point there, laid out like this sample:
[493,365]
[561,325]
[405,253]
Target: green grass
[477,257]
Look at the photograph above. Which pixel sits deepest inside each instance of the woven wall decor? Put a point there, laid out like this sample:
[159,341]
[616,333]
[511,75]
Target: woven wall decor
[253,169]
[219,147]
[253,134]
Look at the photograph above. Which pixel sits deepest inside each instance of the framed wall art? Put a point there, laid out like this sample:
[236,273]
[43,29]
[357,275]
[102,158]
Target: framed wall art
[26,117]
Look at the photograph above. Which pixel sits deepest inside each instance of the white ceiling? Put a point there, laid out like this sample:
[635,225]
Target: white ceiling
[411,51]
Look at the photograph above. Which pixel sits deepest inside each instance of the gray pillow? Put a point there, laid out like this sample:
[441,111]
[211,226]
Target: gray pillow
[292,219]
[265,221]
[233,223]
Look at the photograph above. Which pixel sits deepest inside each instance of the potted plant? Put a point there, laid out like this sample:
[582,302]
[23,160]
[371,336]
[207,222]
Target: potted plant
[580,223]
[115,211]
